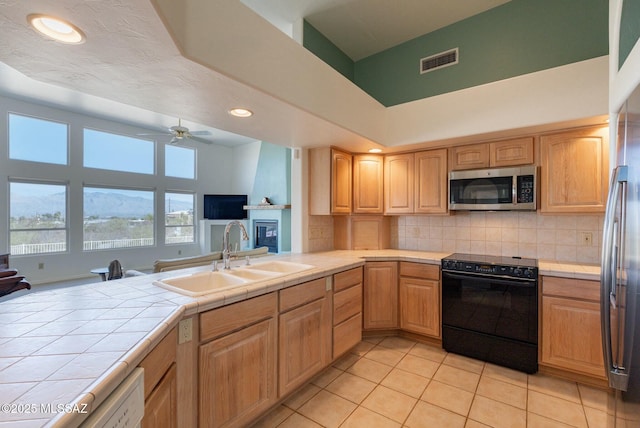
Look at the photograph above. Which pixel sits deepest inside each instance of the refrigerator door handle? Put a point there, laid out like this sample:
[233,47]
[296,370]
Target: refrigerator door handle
[618,377]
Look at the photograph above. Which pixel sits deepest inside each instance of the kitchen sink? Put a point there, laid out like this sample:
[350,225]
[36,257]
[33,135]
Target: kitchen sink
[280,267]
[198,284]
[201,283]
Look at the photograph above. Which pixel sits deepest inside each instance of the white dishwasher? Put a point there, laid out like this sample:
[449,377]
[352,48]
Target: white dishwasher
[124,408]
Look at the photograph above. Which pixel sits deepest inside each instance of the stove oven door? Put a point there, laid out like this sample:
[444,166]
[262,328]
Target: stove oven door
[490,318]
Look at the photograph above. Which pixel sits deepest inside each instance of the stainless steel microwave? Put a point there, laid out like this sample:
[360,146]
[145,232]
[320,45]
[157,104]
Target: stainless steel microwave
[494,189]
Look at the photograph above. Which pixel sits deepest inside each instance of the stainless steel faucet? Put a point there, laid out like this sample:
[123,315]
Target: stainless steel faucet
[226,251]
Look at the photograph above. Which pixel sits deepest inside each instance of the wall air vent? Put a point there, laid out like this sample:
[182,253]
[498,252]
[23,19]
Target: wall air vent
[438,61]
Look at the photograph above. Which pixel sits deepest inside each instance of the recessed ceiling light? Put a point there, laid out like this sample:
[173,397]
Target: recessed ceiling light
[375,150]
[56,29]
[240,112]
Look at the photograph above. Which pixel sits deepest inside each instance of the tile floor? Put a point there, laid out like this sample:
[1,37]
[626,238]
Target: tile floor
[395,382]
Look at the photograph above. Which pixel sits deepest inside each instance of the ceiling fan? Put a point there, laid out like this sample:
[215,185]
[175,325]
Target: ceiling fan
[179,133]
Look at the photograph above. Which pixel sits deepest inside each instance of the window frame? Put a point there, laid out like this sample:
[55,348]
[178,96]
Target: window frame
[193,218]
[66,123]
[154,225]
[66,227]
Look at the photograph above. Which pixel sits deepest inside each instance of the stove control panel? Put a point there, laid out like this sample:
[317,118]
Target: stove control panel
[526,272]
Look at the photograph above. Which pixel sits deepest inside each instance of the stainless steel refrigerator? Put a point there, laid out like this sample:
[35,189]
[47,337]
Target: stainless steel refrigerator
[620,277]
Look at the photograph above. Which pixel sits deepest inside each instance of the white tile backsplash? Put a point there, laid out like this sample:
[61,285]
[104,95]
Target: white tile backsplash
[508,233]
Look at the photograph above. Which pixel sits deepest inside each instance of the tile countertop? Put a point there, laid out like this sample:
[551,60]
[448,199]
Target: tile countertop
[68,348]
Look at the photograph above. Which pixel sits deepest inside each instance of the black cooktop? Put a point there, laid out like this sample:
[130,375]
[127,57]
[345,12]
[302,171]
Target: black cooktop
[493,260]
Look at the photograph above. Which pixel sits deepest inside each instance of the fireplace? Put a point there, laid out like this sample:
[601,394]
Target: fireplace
[266,234]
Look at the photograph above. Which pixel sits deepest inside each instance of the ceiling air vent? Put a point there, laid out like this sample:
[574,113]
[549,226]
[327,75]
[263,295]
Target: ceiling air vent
[437,61]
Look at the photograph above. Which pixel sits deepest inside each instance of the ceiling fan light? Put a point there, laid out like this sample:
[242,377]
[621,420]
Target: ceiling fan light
[56,29]
[240,112]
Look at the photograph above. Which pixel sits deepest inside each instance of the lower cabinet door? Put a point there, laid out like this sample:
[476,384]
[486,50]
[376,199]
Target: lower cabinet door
[571,337]
[160,407]
[346,335]
[238,376]
[305,343]
[420,306]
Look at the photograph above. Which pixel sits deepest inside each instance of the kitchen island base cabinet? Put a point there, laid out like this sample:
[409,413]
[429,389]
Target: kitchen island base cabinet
[571,337]
[305,333]
[347,310]
[237,369]
[380,295]
[160,384]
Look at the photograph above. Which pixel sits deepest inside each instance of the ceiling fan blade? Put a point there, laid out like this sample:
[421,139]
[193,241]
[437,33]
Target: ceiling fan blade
[200,140]
[200,133]
[153,134]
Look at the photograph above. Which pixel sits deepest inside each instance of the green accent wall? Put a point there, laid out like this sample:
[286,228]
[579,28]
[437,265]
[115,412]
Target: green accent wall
[517,38]
[324,49]
[629,29]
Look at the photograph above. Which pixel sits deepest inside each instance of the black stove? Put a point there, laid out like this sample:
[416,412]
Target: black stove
[490,309]
[513,267]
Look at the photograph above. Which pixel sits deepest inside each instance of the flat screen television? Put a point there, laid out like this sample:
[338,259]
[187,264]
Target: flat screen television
[225,207]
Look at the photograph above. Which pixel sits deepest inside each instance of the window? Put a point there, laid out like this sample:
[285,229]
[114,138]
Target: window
[37,218]
[118,152]
[179,223]
[179,162]
[117,218]
[37,140]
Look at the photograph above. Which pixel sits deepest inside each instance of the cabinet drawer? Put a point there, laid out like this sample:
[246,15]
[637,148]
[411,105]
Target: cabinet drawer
[420,270]
[347,303]
[218,322]
[159,361]
[347,279]
[301,294]
[346,335]
[571,287]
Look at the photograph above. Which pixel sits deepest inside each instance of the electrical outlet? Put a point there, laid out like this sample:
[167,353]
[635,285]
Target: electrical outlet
[185,331]
[586,238]
[179,252]
[40,266]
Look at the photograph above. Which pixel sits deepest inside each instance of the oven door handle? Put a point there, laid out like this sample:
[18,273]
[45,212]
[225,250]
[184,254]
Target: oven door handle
[524,282]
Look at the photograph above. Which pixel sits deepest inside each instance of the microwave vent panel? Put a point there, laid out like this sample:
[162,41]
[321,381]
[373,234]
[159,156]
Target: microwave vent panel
[438,61]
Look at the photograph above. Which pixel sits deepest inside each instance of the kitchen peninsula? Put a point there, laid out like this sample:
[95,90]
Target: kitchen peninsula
[74,345]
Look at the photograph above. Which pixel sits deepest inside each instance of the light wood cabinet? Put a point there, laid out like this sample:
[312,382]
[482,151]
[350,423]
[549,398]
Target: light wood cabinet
[160,384]
[330,181]
[419,290]
[473,156]
[347,310]
[571,336]
[160,408]
[431,182]
[517,151]
[237,362]
[305,333]
[367,184]
[416,183]
[363,232]
[380,295]
[398,183]
[574,171]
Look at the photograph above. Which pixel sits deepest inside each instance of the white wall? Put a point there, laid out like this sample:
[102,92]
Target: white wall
[217,171]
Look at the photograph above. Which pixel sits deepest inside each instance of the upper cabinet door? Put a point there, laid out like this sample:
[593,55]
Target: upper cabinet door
[341,182]
[367,184]
[398,184]
[431,182]
[511,152]
[473,156]
[574,169]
